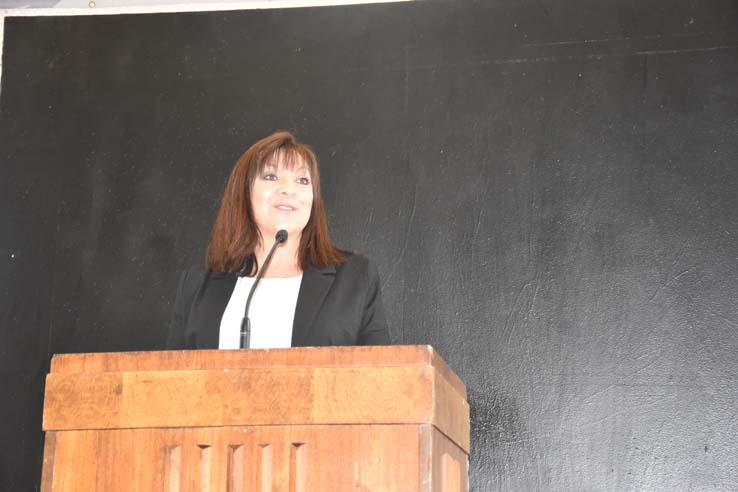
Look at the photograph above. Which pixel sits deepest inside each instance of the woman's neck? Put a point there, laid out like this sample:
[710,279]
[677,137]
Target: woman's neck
[285,260]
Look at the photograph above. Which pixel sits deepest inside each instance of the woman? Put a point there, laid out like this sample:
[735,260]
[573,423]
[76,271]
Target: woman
[311,294]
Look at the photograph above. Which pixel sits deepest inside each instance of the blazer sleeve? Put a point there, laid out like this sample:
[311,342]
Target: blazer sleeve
[182,303]
[374,329]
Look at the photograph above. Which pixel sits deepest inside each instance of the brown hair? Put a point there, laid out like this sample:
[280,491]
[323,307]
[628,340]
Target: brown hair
[235,234]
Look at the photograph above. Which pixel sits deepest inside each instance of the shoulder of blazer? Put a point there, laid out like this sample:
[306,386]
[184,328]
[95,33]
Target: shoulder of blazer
[354,264]
[195,278]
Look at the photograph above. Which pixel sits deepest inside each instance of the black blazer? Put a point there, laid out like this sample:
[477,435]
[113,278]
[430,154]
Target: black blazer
[337,305]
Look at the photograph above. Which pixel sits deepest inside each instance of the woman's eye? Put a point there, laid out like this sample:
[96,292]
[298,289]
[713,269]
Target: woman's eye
[303,181]
[269,177]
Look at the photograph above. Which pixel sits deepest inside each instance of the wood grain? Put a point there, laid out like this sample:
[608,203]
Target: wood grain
[47,474]
[238,397]
[256,394]
[446,466]
[340,458]
[353,419]
[451,413]
[371,356]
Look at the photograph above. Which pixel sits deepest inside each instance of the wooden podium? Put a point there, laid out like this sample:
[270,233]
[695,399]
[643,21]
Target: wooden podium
[345,419]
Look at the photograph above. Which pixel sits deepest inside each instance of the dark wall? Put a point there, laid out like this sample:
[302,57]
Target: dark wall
[549,190]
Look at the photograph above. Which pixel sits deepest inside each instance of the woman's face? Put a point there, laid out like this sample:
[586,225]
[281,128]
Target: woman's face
[282,199]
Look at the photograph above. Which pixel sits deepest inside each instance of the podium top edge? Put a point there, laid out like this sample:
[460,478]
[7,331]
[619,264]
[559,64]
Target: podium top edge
[319,357]
[273,353]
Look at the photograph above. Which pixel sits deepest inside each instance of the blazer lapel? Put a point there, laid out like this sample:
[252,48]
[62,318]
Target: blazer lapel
[316,282]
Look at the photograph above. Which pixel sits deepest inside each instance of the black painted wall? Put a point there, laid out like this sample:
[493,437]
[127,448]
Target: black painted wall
[549,188]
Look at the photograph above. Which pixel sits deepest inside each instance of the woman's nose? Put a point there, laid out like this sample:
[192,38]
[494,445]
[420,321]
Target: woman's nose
[286,189]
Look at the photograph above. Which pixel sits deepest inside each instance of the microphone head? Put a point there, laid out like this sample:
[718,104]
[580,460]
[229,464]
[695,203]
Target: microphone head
[281,236]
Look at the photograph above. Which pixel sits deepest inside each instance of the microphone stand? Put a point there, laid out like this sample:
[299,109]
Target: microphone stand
[246,322]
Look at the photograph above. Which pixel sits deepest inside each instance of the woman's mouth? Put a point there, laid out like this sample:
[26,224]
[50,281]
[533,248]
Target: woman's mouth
[285,207]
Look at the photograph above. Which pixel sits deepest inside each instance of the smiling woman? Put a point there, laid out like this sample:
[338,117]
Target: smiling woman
[311,294]
[282,198]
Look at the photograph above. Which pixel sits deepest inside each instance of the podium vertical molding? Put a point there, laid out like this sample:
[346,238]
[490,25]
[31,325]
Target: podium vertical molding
[235,468]
[173,469]
[265,468]
[298,468]
[205,467]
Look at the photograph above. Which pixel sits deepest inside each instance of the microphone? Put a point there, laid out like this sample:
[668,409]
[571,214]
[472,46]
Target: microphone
[246,322]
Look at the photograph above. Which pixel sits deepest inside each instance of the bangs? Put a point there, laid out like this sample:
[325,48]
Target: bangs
[281,151]
[286,157]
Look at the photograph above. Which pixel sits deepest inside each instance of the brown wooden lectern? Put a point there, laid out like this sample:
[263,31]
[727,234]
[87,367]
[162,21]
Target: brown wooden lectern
[345,419]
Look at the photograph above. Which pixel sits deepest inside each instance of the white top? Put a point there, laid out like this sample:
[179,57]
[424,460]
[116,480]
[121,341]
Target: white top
[272,313]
